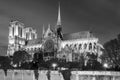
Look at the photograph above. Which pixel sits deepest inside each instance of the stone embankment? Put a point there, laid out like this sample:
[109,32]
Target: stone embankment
[56,75]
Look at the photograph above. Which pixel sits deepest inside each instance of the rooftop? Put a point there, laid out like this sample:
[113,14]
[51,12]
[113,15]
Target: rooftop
[78,35]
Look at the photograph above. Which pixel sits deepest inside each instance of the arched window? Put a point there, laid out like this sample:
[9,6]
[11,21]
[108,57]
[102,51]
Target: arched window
[39,48]
[80,46]
[90,46]
[66,45]
[85,46]
[75,46]
[94,45]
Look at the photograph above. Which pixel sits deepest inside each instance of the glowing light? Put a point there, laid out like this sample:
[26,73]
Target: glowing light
[15,65]
[105,65]
[54,65]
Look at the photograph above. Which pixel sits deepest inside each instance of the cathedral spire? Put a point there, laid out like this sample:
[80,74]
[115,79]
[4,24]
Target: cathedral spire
[59,16]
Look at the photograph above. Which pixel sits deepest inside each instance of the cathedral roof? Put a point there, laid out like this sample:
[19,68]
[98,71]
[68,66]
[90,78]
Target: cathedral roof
[78,35]
[35,41]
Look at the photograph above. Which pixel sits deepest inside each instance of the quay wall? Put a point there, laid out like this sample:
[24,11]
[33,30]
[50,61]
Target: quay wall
[56,75]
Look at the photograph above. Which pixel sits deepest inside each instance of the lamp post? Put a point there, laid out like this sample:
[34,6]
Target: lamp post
[54,65]
[105,65]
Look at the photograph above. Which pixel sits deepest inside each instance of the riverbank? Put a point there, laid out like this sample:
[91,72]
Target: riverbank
[56,75]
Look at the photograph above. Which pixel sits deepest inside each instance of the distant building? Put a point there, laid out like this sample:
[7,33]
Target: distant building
[53,43]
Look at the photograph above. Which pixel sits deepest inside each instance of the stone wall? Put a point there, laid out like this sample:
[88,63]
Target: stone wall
[55,75]
[95,75]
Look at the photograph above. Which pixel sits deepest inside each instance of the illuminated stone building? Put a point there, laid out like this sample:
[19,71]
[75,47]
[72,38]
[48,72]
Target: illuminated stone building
[18,35]
[53,43]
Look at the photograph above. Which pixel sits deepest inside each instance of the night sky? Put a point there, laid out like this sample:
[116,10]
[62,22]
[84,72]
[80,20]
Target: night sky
[101,17]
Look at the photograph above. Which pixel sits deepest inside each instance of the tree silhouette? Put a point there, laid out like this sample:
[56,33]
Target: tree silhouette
[5,63]
[20,57]
[81,61]
[92,63]
[38,60]
[113,50]
[106,58]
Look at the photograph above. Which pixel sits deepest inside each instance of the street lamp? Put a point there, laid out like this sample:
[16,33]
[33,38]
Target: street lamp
[54,65]
[15,65]
[105,65]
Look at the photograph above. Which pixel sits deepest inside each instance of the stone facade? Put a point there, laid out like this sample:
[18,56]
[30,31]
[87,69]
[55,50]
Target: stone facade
[53,42]
[18,35]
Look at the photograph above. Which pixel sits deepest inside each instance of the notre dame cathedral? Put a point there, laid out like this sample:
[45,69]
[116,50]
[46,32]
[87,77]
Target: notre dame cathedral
[53,42]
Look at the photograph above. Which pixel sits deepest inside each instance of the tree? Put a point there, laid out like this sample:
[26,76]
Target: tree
[35,61]
[20,57]
[113,50]
[92,63]
[38,61]
[5,63]
[81,61]
[106,59]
